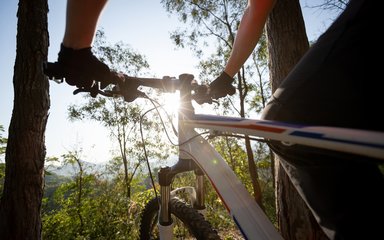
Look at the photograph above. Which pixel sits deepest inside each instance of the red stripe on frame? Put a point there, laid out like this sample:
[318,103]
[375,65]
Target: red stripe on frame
[256,127]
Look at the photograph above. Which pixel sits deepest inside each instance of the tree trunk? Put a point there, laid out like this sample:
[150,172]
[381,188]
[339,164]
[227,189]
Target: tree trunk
[253,173]
[126,178]
[79,184]
[23,187]
[287,43]
[287,39]
[243,92]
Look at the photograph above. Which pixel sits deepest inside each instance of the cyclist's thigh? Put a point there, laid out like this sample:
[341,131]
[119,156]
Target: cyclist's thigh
[331,84]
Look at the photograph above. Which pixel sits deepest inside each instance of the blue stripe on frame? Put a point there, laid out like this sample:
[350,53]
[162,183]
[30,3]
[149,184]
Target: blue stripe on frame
[323,137]
[238,225]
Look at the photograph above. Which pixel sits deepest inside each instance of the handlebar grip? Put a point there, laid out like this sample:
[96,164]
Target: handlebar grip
[54,71]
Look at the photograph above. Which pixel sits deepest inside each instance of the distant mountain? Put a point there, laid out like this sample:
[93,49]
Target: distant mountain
[70,170]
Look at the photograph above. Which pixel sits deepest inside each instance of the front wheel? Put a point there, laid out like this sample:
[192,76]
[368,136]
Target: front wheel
[188,222]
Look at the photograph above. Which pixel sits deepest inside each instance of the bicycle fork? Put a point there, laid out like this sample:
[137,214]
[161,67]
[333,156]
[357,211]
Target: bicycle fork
[196,195]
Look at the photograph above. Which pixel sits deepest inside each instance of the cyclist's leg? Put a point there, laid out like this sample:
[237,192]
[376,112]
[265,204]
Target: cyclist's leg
[330,86]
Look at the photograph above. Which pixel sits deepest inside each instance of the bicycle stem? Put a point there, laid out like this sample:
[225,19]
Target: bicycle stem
[185,163]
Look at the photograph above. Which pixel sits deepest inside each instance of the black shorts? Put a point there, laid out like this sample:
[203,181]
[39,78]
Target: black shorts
[334,85]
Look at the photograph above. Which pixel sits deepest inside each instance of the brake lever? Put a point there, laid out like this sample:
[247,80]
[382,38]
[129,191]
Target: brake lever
[132,96]
[127,88]
[92,92]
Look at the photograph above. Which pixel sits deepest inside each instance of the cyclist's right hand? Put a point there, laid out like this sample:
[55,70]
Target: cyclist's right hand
[82,69]
[222,86]
[201,94]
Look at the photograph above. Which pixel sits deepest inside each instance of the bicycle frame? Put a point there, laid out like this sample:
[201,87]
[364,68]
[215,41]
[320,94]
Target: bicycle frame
[195,153]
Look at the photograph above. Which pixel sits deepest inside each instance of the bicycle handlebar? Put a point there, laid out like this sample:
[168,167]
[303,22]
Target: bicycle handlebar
[127,86]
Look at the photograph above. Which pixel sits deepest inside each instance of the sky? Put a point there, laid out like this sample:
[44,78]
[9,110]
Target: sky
[145,26]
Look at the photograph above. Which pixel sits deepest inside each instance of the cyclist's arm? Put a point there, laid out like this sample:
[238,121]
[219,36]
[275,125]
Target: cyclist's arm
[250,30]
[81,22]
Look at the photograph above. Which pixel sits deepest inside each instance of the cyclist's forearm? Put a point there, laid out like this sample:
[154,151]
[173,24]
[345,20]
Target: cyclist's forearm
[250,30]
[81,22]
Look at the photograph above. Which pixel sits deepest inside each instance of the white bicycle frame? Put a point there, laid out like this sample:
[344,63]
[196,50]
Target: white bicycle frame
[248,216]
[199,154]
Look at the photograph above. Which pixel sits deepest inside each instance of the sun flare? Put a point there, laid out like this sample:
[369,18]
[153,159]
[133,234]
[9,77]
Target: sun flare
[171,102]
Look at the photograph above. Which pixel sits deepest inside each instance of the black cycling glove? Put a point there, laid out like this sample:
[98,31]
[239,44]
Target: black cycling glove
[81,68]
[222,86]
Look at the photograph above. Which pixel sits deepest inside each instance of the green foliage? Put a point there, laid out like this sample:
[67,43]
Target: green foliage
[269,202]
[207,22]
[381,167]
[3,141]
[2,171]
[119,56]
[3,147]
[105,211]
[52,183]
[124,120]
[2,177]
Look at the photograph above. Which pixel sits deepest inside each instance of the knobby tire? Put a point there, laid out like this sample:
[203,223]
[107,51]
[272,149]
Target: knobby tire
[195,222]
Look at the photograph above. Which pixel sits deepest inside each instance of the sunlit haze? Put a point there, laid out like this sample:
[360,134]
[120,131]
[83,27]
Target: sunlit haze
[145,26]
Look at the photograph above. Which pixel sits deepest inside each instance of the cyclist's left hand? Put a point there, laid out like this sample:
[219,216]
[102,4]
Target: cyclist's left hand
[80,68]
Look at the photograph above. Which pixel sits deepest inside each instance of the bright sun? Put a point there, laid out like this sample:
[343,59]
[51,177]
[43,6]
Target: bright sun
[171,102]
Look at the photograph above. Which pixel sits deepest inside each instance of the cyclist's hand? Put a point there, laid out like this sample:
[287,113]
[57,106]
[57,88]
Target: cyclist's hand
[81,68]
[222,86]
[201,94]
